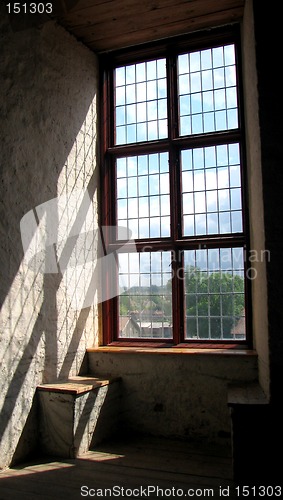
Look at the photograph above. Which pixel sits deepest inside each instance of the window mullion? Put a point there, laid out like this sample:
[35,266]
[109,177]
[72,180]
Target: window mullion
[174,163]
[172,104]
[175,201]
[178,295]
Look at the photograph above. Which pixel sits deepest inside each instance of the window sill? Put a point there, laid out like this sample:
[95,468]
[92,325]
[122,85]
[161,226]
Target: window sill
[208,349]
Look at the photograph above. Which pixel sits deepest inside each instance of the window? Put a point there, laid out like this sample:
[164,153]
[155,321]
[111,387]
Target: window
[173,176]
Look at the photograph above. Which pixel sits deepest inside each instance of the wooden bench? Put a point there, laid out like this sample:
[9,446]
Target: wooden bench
[77,413]
[250,416]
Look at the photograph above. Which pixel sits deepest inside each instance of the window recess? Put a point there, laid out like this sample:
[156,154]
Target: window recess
[173,176]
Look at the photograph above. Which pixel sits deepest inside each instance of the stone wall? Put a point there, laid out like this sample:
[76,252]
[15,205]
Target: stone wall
[48,217]
[255,199]
[176,394]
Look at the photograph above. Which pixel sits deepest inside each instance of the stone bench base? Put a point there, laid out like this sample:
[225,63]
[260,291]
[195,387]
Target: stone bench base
[250,418]
[77,414]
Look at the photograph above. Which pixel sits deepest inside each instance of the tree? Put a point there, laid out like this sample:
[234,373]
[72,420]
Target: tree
[214,303]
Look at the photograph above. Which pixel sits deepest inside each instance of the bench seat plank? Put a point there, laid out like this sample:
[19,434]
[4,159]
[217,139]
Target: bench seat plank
[75,385]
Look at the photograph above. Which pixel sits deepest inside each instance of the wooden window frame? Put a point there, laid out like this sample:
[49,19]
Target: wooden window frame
[109,152]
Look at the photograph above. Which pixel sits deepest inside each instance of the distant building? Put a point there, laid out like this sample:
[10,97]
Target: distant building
[147,326]
[239,330]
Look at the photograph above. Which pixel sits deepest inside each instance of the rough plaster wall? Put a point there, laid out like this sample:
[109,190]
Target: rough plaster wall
[176,395]
[48,150]
[257,232]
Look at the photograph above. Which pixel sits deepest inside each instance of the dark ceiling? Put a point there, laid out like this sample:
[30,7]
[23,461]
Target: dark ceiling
[105,25]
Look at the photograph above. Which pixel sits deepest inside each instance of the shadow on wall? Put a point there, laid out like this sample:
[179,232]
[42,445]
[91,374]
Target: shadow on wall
[48,148]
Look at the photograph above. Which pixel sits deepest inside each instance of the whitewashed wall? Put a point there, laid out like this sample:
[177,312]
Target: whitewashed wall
[48,102]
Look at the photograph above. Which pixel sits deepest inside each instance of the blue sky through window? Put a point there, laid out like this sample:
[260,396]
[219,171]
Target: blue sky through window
[141,102]
[211,193]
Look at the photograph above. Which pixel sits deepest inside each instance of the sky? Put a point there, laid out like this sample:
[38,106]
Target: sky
[211,192]
[206,90]
[211,184]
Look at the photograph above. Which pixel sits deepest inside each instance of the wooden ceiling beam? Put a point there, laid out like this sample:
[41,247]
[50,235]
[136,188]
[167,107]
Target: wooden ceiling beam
[105,25]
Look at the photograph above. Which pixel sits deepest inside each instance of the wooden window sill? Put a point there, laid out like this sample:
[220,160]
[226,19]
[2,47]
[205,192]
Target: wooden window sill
[179,349]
